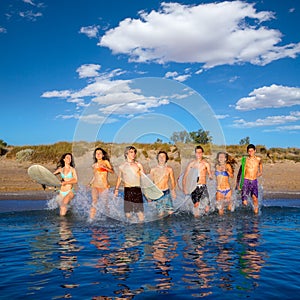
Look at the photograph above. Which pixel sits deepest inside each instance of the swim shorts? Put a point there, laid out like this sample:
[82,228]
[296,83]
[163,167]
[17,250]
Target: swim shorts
[199,193]
[133,199]
[249,187]
[164,202]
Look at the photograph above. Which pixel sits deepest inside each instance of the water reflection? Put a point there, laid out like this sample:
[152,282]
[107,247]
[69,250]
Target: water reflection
[211,256]
[251,260]
[163,252]
[199,273]
[68,248]
[225,255]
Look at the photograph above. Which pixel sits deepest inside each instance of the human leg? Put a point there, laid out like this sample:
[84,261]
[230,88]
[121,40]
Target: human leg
[67,197]
[95,195]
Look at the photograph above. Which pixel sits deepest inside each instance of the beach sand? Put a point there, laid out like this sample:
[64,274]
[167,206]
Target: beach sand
[280,180]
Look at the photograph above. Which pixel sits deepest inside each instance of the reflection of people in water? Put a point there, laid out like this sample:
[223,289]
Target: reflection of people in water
[67,243]
[101,240]
[130,174]
[196,252]
[251,259]
[66,169]
[200,194]
[163,253]
[251,168]
[99,182]
[161,175]
[225,254]
[224,168]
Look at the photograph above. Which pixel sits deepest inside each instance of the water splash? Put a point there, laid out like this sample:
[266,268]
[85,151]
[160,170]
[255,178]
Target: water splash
[110,206]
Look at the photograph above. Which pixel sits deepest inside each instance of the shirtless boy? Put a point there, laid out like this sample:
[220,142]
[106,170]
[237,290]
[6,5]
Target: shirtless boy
[253,169]
[201,191]
[130,174]
[161,175]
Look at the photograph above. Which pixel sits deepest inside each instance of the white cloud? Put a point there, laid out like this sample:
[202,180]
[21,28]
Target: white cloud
[290,128]
[30,15]
[220,117]
[90,31]
[57,94]
[109,96]
[199,71]
[182,78]
[268,121]
[29,2]
[88,70]
[176,76]
[3,30]
[270,96]
[171,74]
[213,34]
[97,119]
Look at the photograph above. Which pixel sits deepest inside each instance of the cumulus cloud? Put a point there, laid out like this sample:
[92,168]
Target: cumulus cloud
[213,34]
[3,30]
[107,96]
[57,94]
[274,96]
[268,121]
[90,31]
[88,70]
[178,77]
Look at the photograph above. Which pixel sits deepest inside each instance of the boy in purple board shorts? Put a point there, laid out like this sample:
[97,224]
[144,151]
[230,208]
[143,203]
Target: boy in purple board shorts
[251,169]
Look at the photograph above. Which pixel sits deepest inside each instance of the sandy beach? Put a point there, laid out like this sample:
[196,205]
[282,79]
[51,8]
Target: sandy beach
[280,180]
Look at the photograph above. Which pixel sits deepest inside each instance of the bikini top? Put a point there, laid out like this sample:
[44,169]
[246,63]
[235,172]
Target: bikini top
[69,175]
[223,173]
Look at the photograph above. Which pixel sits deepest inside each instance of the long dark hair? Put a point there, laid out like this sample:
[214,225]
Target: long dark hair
[61,162]
[105,154]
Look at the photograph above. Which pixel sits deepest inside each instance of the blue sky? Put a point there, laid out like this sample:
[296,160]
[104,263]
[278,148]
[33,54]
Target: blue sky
[127,71]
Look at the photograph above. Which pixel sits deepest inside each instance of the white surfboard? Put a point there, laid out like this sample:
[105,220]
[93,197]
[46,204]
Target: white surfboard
[43,176]
[191,180]
[149,189]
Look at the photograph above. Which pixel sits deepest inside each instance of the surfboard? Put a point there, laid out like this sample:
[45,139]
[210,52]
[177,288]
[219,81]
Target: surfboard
[191,180]
[43,176]
[149,189]
[241,173]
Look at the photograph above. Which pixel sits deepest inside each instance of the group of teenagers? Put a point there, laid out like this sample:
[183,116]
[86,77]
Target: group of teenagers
[130,173]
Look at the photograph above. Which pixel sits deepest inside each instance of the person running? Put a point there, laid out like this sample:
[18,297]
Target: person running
[130,175]
[66,169]
[251,168]
[224,169]
[161,175]
[99,182]
[200,194]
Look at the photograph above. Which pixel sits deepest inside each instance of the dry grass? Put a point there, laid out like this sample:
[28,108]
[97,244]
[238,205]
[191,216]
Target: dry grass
[52,153]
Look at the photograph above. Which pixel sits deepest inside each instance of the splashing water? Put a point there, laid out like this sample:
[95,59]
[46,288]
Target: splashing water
[110,206]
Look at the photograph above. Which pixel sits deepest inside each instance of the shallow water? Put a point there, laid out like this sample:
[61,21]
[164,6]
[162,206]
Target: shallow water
[238,255]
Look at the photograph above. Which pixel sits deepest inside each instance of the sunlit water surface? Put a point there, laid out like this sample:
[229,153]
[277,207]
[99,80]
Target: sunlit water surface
[238,255]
